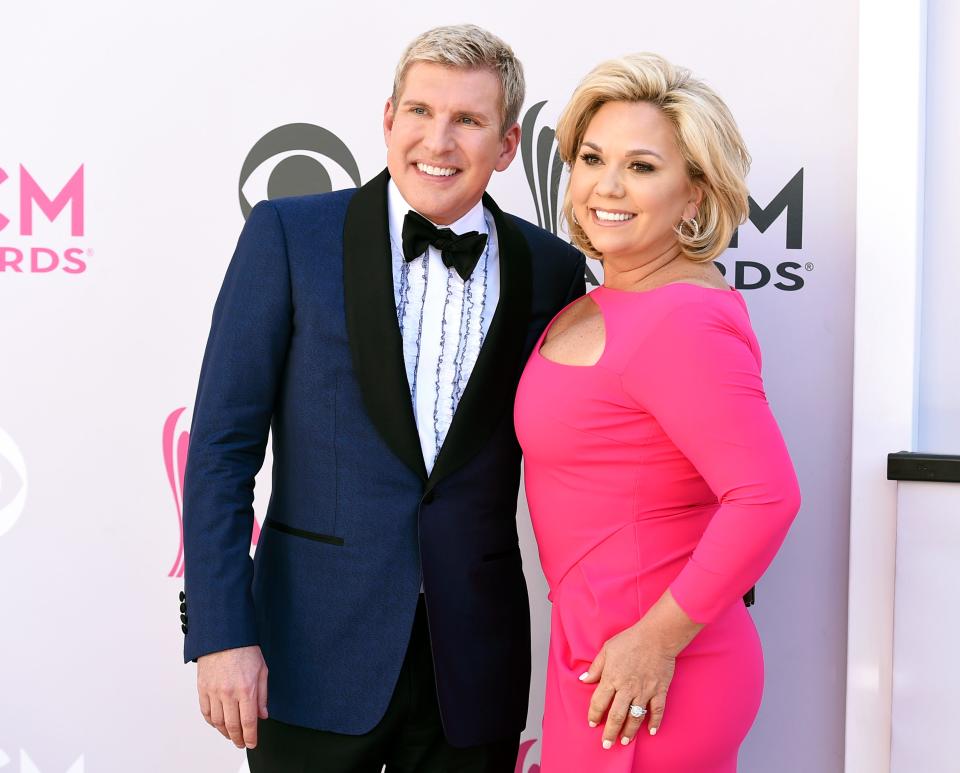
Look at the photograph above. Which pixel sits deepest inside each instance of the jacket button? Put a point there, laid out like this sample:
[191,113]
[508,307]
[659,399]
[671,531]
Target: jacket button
[183,607]
[429,497]
[183,619]
[183,596]
[183,628]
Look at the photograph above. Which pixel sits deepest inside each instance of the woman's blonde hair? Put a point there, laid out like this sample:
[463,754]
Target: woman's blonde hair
[716,157]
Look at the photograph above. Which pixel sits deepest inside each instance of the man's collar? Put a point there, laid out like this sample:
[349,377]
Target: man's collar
[397,209]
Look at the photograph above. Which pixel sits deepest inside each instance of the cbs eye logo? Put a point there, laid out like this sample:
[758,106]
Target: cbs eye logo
[287,162]
[13,483]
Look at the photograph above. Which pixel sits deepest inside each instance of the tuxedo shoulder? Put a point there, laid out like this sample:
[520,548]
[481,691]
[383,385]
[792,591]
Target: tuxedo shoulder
[545,245]
[313,206]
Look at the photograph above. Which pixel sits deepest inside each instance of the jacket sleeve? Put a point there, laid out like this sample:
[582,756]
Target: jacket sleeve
[699,377]
[242,367]
[578,284]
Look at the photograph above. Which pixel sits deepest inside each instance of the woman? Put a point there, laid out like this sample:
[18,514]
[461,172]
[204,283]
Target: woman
[658,482]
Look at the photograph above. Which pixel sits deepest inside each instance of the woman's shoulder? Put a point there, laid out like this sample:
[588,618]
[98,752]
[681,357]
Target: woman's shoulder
[684,304]
[679,318]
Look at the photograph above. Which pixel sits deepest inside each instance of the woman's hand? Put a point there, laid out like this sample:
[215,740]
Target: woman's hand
[636,667]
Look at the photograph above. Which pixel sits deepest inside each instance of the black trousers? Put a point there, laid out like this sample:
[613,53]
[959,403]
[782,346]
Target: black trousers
[409,738]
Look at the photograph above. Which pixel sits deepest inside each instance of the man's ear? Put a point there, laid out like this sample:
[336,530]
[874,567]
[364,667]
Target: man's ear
[508,147]
[387,120]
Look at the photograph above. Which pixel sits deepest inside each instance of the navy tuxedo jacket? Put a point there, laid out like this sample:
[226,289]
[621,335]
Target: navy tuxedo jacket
[305,342]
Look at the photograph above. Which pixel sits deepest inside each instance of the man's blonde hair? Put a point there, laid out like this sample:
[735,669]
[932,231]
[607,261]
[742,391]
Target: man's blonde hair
[715,154]
[468,47]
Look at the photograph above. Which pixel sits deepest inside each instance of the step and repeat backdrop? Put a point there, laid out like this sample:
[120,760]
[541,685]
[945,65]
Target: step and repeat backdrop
[134,141]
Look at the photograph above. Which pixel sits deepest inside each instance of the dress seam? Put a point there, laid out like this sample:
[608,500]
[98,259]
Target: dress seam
[636,541]
[583,555]
[591,433]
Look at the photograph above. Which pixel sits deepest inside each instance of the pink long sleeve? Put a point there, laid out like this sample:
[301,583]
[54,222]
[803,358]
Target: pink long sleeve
[698,374]
[658,466]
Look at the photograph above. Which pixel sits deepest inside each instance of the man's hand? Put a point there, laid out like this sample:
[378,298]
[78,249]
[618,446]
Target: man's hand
[232,686]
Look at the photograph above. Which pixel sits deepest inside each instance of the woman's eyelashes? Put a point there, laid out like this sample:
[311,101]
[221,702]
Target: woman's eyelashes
[642,167]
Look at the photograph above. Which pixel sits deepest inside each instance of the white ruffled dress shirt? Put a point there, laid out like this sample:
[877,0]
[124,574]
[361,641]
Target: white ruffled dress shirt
[443,320]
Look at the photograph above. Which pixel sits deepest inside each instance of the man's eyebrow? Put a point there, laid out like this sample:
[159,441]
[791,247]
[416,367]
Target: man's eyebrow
[636,152]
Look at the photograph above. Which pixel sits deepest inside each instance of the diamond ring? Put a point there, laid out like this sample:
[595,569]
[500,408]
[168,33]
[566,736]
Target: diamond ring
[636,711]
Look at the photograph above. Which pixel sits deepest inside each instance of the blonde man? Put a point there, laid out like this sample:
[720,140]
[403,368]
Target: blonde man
[380,333]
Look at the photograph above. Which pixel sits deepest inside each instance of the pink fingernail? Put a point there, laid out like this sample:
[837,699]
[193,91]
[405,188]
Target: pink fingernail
[653,731]
[592,723]
[607,744]
[624,740]
[583,676]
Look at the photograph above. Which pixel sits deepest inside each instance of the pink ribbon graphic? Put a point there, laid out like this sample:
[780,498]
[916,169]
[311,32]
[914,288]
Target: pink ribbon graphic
[522,758]
[175,461]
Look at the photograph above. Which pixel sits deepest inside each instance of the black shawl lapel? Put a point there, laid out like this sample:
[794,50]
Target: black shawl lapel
[492,385]
[371,314]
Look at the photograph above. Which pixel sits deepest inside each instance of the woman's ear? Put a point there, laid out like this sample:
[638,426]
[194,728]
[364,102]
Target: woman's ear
[693,203]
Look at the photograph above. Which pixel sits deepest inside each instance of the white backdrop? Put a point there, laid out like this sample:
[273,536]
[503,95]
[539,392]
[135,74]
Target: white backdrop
[105,320]
[939,381]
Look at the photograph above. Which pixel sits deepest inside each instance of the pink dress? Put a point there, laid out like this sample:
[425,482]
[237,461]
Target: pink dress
[658,467]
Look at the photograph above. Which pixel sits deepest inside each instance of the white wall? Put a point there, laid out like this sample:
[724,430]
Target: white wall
[926,675]
[161,106]
[890,107]
[939,397]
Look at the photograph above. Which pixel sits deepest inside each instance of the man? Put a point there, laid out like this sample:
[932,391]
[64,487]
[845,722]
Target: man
[387,595]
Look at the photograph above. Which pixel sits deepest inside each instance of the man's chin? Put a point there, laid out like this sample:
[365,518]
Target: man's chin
[441,209]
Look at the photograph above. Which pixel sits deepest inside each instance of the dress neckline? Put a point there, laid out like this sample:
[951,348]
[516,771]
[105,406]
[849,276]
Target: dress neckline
[729,289]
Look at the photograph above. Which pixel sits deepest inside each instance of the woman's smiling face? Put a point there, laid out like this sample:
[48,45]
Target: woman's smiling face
[629,185]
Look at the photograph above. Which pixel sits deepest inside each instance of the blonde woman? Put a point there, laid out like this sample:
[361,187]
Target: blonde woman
[659,485]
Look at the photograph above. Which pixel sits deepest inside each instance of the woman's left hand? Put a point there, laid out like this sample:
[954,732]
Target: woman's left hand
[636,667]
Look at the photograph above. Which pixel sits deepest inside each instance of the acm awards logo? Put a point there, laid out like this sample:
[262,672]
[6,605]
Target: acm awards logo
[543,168]
[27,765]
[13,483]
[524,750]
[175,443]
[26,252]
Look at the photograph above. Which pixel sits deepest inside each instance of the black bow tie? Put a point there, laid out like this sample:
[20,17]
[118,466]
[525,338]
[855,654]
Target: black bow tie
[461,252]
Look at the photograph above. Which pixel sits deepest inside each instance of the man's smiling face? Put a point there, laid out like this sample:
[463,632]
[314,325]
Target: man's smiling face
[444,139]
